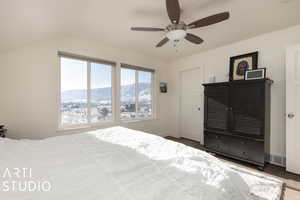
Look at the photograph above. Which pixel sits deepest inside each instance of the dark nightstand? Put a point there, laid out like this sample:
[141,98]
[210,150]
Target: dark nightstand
[3,132]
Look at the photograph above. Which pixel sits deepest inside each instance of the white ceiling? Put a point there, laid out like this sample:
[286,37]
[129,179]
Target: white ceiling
[25,21]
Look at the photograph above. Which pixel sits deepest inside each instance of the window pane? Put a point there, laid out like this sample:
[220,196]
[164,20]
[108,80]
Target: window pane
[127,108]
[101,93]
[73,91]
[145,94]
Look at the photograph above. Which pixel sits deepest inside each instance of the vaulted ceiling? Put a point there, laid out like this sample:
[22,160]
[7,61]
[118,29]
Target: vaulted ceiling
[109,22]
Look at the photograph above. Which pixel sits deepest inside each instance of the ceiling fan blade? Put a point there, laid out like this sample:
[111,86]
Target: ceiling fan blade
[210,20]
[193,38]
[147,29]
[163,42]
[173,9]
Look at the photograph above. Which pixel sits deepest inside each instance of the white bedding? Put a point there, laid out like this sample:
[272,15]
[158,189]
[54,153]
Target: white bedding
[123,164]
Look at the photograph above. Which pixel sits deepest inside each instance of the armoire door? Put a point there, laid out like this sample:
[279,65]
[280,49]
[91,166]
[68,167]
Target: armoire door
[247,109]
[216,107]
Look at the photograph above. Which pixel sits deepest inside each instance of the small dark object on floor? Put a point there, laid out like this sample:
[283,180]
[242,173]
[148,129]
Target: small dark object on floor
[3,131]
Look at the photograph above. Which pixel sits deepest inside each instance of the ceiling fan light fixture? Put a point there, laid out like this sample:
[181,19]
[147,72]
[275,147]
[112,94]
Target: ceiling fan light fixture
[177,30]
[176,35]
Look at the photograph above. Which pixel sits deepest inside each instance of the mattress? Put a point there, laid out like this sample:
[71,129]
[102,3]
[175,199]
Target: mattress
[122,164]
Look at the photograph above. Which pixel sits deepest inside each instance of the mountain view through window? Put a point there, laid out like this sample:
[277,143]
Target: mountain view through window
[136,94]
[86,92]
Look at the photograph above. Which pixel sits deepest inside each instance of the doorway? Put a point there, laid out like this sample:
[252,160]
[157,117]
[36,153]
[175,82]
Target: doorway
[191,104]
[293,109]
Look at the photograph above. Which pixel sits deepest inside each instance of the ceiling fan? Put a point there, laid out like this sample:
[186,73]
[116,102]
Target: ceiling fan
[177,30]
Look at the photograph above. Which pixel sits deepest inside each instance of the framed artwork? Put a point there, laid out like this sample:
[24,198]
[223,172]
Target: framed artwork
[242,63]
[259,73]
[163,87]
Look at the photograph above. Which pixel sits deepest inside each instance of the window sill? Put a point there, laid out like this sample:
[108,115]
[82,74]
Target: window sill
[86,127]
[89,127]
[137,120]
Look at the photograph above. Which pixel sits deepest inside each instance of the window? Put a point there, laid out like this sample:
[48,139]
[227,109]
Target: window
[136,97]
[73,91]
[101,93]
[86,90]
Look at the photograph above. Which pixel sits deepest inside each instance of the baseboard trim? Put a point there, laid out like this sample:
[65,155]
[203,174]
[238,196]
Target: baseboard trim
[276,160]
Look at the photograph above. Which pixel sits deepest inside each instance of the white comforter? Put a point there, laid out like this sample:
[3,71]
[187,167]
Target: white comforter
[123,164]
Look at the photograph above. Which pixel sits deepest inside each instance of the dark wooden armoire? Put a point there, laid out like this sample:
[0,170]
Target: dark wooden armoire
[237,119]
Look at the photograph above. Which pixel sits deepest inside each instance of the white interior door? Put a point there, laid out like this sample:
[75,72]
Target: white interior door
[191,105]
[293,109]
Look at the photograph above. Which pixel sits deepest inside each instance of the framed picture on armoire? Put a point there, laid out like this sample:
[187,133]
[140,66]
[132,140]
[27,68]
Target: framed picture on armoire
[242,63]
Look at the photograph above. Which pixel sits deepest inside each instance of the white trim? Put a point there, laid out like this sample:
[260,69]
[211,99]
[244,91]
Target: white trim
[133,67]
[113,93]
[137,89]
[85,126]
[117,99]
[133,120]
[153,96]
[88,93]
[85,58]
[59,93]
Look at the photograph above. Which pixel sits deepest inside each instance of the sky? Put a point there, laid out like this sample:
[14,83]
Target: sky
[74,75]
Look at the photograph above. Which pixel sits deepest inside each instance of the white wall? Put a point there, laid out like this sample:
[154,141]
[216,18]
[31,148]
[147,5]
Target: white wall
[271,49]
[29,86]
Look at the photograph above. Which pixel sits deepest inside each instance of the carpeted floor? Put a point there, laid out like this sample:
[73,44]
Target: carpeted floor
[292,181]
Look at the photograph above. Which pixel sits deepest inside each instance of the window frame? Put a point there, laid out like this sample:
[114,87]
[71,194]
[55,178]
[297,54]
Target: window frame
[153,93]
[89,61]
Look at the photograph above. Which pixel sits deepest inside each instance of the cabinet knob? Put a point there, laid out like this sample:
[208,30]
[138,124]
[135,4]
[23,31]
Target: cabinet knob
[291,115]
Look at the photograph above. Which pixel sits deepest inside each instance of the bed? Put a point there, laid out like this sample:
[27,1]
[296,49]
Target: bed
[123,164]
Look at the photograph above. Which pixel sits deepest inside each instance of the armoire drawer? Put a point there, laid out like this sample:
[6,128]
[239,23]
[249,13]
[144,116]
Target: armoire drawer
[247,149]
[216,142]
[237,147]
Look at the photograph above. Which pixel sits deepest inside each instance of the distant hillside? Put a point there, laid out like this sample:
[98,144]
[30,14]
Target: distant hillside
[104,94]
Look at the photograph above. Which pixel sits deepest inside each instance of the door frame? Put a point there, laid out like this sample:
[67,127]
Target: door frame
[202,68]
